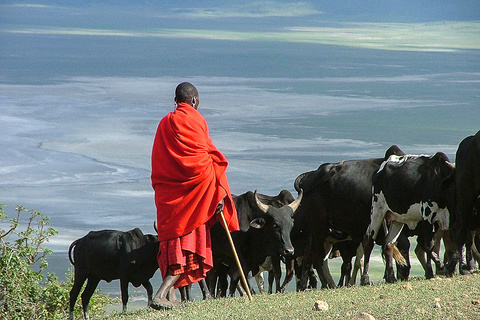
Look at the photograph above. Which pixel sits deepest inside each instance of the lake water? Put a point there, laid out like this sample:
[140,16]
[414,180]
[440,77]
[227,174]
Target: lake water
[79,106]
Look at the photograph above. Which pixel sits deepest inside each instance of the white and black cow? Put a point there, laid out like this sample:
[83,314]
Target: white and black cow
[337,196]
[467,206]
[265,226]
[406,190]
[109,255]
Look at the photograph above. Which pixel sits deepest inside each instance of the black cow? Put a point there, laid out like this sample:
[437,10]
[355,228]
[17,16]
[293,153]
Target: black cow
[265,226]
[467,180]
[407,190]
[109,255]
[337,196]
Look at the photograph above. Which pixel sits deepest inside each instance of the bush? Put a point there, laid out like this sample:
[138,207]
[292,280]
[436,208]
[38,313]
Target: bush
[24,292]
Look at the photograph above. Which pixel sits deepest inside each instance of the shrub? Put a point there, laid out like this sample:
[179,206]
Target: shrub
[24,292]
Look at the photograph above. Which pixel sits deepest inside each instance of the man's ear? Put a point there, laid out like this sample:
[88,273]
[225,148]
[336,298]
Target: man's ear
[257,223]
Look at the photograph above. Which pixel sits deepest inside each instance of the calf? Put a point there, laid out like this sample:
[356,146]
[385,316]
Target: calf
[108,255]
[406,190]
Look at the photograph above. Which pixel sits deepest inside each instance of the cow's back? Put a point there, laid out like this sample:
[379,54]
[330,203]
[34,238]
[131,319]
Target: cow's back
[98,254]
[467,162]
[341,194]
[411,179]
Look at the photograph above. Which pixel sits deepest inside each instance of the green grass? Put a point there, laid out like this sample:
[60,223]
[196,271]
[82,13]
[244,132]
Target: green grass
[440,298]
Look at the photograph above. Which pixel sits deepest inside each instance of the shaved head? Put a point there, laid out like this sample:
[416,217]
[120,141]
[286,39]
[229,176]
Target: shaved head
[186,92]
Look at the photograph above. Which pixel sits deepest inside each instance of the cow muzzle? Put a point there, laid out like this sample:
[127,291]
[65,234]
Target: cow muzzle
[288,252]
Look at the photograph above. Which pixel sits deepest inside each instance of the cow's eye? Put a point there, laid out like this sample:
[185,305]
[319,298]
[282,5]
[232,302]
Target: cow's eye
[275,226]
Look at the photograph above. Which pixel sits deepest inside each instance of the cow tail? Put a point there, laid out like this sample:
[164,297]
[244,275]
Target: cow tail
[74,243]
[397,255]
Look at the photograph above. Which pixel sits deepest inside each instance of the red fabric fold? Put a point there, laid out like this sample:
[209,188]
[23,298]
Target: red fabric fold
[188,175]
[189,256]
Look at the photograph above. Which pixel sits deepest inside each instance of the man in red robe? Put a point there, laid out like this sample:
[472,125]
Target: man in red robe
[191,187]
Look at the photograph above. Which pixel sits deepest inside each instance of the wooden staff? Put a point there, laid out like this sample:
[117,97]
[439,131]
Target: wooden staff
[244,280]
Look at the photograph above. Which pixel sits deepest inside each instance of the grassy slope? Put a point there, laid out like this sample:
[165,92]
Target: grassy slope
[440,298]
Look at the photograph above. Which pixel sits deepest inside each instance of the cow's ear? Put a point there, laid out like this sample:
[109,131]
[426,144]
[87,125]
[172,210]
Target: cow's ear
[257,223]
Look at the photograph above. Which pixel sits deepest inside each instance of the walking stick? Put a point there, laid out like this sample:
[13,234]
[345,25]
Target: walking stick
[244,280]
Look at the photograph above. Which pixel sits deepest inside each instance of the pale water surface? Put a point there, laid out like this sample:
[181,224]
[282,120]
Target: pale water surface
[79,110]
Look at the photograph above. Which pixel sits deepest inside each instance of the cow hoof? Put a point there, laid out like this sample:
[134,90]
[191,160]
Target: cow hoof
[390,279]
[464,271]
[365,281]
[429,274]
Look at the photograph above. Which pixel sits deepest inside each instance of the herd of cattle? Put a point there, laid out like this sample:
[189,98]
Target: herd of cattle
[345,207]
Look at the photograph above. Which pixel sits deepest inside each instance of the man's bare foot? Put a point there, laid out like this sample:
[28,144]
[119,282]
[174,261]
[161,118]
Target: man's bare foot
[163,304]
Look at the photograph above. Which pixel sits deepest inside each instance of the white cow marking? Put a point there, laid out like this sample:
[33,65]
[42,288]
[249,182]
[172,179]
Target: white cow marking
[399,159]
[415,213]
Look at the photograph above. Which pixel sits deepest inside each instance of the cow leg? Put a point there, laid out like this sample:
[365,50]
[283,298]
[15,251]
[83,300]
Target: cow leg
[124,292]
[321,265]
[289,270]
[298,266]
[378,213]
[277,272]
[403,245]
[149,288]
[304,275]
[368,244]
[346,271]
[312,278]
[325,276]
[204,288]
[222,285]
[462,221]
[348,251]
[260,281]
[185,293]
[304,268]
[346,268]
[437,239]
[304,264]
[271,279]
[92,283]
[391,251]
[420,253]
[388,256]
[211,280]
[475,253]
[432,246]
[357,266]
[234,279]
[342,280]
[77,286]
[237,285]
[469,245]
[424,244]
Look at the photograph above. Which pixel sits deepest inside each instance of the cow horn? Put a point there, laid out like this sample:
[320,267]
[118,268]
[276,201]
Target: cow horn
[262,206]
[296,203]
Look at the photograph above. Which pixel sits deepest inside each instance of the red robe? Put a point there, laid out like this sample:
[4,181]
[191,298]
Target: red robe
[188,176]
